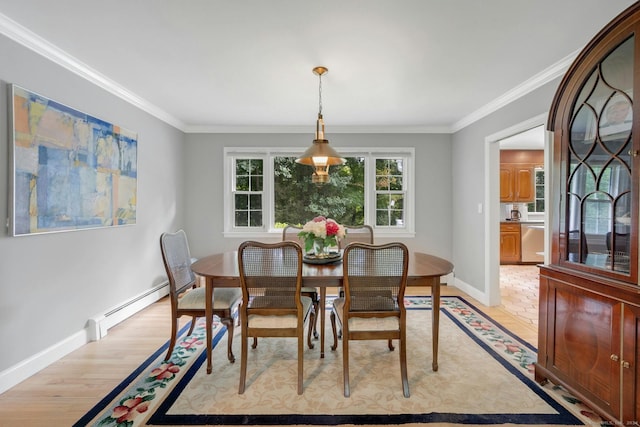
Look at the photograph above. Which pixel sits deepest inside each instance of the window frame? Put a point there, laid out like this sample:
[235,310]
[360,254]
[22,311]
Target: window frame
[534,209]
[267,155]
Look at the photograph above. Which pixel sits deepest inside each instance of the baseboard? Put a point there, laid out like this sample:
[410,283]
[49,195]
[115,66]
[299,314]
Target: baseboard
[472,292]
[96,328]
[448,279]
[24,369]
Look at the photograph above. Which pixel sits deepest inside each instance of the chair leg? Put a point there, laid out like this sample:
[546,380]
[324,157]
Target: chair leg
[333,327]
[403,366]
[301,356]
[229,323]
[316,308]
[312,318]
[193,324]
[345,364]
[391,347]
[255,343]
[243,359]
[172,341]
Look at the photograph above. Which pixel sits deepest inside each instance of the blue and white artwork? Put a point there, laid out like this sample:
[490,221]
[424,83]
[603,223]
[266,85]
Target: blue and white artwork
[70,170]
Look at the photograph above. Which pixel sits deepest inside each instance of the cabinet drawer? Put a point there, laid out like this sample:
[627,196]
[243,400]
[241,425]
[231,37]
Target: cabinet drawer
[510,227]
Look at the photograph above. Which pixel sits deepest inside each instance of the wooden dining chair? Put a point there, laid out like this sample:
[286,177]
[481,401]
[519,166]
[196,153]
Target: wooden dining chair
[357,233]
[189,300]
[272,305]
[375,278]
[290,233]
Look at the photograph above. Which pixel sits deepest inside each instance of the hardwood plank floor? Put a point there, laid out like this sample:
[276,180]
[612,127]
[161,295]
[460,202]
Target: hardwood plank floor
[64,391]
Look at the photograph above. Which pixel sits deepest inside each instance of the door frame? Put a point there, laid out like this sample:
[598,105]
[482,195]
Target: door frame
[492,201]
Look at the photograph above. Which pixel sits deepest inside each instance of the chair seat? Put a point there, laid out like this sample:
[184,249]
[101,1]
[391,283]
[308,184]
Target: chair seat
[223,298]
[366,323]
[287,321]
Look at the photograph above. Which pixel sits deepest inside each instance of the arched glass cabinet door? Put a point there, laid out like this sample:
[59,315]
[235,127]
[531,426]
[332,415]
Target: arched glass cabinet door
[601,194]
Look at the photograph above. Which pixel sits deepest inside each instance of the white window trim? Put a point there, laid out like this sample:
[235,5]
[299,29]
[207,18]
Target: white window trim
[267,154]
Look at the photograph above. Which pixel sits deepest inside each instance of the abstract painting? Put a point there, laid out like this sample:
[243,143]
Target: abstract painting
[69,170]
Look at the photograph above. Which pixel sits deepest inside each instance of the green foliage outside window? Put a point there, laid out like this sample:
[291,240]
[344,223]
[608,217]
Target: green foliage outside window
[389,192]
[248,195]
[298,200]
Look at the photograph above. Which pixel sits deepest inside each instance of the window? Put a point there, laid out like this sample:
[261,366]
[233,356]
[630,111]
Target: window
[270,190]
[538,204]
[389,192]
[247,199]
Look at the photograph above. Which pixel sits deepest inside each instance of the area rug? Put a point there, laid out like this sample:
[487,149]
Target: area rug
[485,377]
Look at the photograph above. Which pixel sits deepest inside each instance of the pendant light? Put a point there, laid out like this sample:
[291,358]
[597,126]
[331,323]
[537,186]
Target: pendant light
[320,155]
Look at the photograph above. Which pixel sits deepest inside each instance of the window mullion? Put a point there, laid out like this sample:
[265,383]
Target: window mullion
[269,192]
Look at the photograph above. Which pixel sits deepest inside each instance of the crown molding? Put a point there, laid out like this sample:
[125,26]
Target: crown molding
[310,129]
[30,40]
[545,76]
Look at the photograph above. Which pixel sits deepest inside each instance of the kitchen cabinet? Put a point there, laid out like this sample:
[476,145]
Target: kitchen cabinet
[510,243]
[589,319]
[517,178]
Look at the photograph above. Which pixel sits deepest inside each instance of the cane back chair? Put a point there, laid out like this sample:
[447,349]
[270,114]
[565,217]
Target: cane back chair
[375,278]
[357,233]
[272,306]
[189,300]
[290,233]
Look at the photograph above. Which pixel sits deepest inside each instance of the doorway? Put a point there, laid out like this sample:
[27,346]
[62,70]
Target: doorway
[519,280]
[495,212]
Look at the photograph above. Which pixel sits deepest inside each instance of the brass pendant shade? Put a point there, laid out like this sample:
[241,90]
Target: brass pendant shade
[320,155]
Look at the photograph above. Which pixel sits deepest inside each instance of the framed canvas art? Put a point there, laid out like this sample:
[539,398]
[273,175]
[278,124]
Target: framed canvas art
[68,170]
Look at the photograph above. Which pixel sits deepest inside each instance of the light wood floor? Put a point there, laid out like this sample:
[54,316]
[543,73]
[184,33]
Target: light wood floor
[63,392]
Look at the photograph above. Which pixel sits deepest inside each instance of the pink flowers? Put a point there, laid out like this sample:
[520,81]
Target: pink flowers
[165,371]
[129,409]
[332,228]
[321,227]
[324,229]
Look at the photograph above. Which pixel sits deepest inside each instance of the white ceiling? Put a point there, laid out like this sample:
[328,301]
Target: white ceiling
[532,139]
[245,65]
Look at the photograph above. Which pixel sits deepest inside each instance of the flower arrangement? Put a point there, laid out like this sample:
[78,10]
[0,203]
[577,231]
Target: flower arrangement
[320,234]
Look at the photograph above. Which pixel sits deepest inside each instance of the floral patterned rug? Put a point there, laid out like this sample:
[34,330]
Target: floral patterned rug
[485,377]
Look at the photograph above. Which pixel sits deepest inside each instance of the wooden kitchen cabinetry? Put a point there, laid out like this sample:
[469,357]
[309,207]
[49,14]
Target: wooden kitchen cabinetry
[517,179]
[509,243]
[589,325]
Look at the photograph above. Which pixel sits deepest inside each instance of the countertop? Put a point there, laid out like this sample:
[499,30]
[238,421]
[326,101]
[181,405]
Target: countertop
[535,222]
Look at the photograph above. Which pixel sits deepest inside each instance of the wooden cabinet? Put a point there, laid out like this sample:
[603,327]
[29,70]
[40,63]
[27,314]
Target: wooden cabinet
[517,178]
[589,325]
[510,243]
[590,343]
[507,183]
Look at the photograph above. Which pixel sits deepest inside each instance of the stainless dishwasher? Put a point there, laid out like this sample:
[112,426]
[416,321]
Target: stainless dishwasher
[532,242]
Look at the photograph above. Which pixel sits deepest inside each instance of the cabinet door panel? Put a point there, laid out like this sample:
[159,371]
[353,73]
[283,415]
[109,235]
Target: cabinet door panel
[509,247]
[629,362]
[506,183]
[583,341]
[524,183]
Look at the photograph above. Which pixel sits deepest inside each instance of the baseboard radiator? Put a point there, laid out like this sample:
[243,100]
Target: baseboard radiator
[98,325]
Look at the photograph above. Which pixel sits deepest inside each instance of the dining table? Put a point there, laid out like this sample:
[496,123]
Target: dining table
[221,270]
